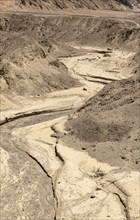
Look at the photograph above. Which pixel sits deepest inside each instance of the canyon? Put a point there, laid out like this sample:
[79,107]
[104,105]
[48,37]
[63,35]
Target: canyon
[69,118]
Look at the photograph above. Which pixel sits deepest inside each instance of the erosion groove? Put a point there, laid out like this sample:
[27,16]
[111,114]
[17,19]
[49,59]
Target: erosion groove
[26,115]
[69,111]
[39,164]
[124,205]
[104,78]
[58,155]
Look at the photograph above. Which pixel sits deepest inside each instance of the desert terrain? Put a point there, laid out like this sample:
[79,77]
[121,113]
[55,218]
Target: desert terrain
[69,110]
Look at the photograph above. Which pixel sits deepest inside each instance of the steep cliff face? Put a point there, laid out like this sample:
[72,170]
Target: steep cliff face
[71,4]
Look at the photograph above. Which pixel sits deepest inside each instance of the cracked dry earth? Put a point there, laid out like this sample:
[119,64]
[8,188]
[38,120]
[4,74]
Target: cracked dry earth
[43,178]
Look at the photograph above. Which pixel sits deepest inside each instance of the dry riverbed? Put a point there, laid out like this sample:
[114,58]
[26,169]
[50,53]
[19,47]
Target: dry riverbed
[82,186]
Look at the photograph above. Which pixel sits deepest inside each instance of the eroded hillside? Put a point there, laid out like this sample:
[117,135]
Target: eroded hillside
[30,60]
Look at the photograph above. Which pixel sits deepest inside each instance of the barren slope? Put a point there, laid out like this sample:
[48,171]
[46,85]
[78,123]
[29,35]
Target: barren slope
[70,4]
[108,125]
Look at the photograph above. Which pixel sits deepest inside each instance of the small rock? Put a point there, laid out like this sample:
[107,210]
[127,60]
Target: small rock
[84,89]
